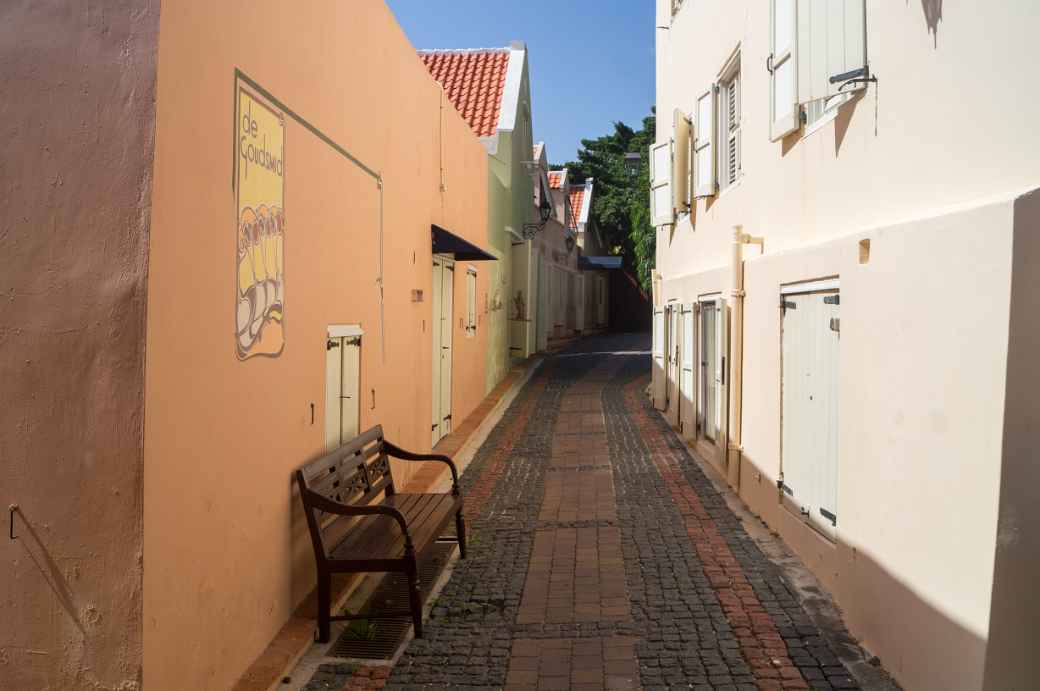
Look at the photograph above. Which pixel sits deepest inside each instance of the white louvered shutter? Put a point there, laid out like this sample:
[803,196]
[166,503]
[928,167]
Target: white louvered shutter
[704,145]
[783,61]
[662,204]
[832,44]
[731,128]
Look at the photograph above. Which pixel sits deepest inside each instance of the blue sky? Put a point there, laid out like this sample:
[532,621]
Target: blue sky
[591,63]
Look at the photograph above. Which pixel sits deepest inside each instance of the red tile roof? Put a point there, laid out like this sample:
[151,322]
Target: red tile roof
[555,179]
[577,197]
[473,81]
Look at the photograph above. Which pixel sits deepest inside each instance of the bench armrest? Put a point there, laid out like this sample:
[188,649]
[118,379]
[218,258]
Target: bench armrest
[317,501]
[398,452]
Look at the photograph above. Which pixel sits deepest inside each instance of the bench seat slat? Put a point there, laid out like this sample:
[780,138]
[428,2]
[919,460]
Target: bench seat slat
[379,537]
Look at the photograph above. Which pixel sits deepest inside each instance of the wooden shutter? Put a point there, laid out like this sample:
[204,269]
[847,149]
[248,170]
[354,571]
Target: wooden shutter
[809,404]
[471,301]
[783,63]
[730,164]
[662,204]
[687,423]
[832,45]
[333,392]
[658,361]
[681,162]
[350,392]
[704,147]
[724,373]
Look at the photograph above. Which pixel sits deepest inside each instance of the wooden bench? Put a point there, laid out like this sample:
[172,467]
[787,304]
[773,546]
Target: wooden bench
[353,533]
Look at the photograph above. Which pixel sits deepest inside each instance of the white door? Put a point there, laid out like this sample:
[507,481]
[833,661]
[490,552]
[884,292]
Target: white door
[657,375]
[687,364]
[809,391]
[673,340]
[708,408]
[441,328]
[342,389]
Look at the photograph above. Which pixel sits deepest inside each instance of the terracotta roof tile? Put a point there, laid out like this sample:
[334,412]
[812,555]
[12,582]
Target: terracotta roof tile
[474,81]
[555,179]
[577,197]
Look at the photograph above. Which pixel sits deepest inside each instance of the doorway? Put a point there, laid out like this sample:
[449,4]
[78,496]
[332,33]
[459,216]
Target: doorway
[708,403]
[673,345]
[440,327]
[687,374]
[810,339]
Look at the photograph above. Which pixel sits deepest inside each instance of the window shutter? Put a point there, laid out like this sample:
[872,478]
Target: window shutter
[662,205]
[704,147]
[471,300]
[783,64]
[681,162]
[831,45]
[847,54]
[732,127]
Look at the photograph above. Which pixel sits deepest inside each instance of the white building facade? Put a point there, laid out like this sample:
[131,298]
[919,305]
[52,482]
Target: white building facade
[846,320]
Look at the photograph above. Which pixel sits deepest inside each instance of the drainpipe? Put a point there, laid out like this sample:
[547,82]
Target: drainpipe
[736,344]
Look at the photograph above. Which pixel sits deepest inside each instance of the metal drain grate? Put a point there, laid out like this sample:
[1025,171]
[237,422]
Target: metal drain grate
[378,638]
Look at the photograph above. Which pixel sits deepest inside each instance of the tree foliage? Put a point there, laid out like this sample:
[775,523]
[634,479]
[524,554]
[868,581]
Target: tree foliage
[621,202]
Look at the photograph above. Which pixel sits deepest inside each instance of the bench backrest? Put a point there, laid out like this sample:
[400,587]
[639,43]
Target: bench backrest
[354,474]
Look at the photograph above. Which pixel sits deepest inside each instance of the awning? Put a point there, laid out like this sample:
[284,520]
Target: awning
[446,242]
[609,261]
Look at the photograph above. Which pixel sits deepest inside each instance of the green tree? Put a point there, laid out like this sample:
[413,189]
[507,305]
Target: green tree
[621,202]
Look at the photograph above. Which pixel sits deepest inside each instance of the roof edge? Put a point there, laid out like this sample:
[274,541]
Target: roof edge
[511,90]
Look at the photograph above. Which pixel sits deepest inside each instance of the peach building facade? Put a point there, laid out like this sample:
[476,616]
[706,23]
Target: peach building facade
[264,205]
[843,308]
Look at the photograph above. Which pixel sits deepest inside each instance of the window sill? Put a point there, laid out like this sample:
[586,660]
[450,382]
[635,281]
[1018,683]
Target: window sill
[730,187]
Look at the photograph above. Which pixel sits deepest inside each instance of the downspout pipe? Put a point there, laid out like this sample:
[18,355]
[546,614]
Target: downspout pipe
[736,355]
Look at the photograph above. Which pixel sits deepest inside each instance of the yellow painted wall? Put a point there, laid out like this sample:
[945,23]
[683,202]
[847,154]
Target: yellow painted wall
[225,559]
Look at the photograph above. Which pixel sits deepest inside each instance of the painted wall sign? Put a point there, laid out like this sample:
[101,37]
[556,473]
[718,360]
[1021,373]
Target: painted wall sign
[260,232]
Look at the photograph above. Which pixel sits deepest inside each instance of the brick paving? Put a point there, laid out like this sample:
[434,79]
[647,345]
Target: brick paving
[602,557]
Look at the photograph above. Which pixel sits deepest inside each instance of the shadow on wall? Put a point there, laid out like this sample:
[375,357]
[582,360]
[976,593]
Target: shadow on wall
[1011,660]
[921,646]
[933,12]
[26,534]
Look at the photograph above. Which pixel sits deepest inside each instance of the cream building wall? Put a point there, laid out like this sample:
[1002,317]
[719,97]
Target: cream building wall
[929,165]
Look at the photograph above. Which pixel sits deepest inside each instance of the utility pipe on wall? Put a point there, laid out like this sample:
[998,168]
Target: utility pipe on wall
[736,355]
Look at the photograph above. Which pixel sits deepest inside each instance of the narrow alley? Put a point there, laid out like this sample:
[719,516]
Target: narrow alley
[602,556]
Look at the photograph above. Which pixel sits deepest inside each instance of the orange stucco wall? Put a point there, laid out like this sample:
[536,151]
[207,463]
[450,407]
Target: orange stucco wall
[225,559]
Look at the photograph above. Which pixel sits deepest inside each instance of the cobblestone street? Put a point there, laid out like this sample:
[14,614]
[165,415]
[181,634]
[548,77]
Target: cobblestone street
[602,557]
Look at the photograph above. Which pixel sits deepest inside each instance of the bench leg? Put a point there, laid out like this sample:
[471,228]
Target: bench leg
[460,531]
[415,595]
[324,606]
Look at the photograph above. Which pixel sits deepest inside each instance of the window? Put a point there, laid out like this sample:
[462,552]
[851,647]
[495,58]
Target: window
[661,203]
[729,124]
[818,57]
[822,111]
[471,301]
